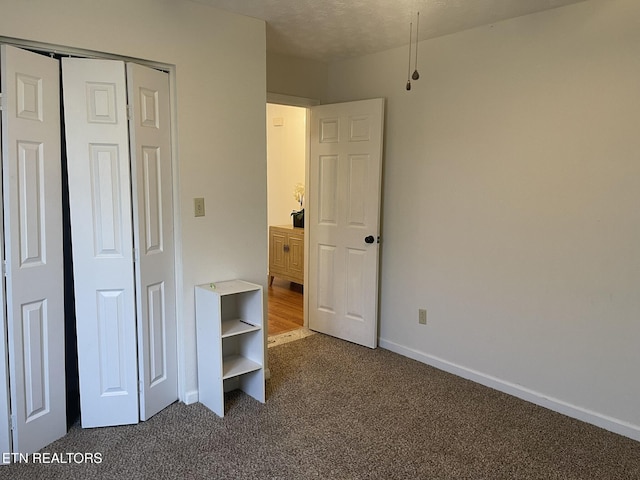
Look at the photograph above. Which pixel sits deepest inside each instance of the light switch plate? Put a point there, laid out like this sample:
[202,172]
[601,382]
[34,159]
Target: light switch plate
[198,207]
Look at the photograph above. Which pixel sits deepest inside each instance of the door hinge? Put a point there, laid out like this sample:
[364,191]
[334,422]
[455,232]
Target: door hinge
[14,422]
[1,101]
[136,258]
[4,268]
[139,386]
[129,112]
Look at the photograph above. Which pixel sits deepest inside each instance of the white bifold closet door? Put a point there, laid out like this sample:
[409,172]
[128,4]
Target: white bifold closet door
[150,140]
[32,204]
[122,239]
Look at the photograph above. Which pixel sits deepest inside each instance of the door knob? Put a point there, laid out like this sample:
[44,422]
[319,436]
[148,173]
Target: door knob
[369,239]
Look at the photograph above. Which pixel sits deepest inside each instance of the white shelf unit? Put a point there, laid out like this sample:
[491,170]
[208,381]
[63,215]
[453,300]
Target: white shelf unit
[230,340]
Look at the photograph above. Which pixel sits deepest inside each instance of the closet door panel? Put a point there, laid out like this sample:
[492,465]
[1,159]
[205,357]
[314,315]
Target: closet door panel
[100,206]
[150,134]
[32,202]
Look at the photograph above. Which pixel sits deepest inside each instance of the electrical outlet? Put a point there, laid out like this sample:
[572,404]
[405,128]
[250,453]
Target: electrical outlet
[422,316]
[198,207]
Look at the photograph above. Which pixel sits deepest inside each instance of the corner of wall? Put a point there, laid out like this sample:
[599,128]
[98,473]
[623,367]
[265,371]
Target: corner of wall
[295,76]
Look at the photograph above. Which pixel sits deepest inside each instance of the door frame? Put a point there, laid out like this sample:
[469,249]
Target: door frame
[44,47]
[306,103]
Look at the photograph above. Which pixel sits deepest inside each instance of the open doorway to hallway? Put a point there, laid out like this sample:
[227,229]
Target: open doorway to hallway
[286,158]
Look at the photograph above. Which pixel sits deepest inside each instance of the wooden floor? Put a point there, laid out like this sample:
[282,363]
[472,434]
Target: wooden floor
[285,306]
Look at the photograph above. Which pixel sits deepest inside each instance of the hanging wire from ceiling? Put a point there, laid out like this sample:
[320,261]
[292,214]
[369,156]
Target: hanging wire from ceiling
[408,87]
[416,75]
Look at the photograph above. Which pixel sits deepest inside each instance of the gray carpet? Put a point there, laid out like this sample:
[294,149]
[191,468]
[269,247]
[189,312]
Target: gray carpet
[338,411]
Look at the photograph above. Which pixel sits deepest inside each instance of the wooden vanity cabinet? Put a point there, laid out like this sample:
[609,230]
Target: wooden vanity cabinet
[286,253]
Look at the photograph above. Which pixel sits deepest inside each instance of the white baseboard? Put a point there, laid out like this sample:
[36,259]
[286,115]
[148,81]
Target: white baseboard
[603,421]
[191,397]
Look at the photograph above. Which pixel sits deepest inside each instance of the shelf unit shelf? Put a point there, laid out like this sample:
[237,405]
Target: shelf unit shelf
[237,327]
[235,365]
[230,341]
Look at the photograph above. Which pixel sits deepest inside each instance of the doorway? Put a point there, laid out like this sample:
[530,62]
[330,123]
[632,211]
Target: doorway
[286,160]
[338,247]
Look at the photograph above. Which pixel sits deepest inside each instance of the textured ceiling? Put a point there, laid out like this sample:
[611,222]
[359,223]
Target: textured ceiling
[332,29]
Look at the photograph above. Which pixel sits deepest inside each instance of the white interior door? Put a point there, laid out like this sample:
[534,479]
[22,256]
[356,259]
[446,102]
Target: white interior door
[345,169]
[33,245]
[150,139]
[94,94]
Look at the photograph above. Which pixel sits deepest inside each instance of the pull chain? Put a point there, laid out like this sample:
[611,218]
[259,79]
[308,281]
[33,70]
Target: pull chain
[409,66]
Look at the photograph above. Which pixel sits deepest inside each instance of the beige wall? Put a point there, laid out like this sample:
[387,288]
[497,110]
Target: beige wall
[511,205]
[299,77]
[286,150]
[220,92]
